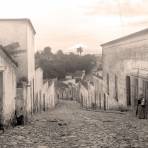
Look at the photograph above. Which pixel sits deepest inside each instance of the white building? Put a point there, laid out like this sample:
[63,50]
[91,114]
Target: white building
[125,68]
[38,89]
[45,92]
[22,32]
[7,86]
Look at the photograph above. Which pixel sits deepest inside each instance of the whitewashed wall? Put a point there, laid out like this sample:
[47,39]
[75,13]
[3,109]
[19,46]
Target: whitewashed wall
[21,31]
[9,86]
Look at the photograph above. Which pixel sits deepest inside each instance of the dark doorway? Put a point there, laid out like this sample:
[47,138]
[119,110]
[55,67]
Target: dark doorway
[44,107]
[104,102]
[1,95]
[37,103]
[128,90]
[81,100]
[99,100]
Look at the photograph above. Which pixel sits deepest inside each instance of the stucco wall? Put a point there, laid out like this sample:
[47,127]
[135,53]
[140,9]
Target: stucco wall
[120,59]
[21,31]
[84,98]
[50,95]
[30,52]
[87,96]
[16,31]
[9,86]
[98,84]
[38,79]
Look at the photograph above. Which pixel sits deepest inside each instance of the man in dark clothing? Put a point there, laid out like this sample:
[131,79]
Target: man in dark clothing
[138,104]
[20,116]
[1,124]
[140,110]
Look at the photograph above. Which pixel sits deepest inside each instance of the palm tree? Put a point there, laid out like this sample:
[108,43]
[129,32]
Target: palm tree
[79,50]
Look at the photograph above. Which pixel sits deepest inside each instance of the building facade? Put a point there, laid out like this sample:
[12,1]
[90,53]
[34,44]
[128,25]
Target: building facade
[87,95]
[21,31]
[98,91]
[38,89]
[8,69]
[124,59]
[45,92]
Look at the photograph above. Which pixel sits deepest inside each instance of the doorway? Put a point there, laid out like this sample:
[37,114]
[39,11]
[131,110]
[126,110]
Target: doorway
[104,101]
[44,107]
[100,100]
[128,91]
[1,96]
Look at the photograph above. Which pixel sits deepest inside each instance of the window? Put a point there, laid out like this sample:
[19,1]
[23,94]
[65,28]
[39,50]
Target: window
[116,87]
[107,83]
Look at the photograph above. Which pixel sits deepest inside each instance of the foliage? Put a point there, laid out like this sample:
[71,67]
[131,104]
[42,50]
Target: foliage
[60,64]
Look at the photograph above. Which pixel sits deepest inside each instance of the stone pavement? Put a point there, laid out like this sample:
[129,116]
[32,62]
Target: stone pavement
[68,126]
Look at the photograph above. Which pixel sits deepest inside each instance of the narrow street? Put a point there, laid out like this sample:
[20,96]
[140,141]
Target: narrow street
[68,126]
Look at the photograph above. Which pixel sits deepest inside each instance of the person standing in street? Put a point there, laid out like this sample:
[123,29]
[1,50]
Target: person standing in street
[138,105]
[141,104]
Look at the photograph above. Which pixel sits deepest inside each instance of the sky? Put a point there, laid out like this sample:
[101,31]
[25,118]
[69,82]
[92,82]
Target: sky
[68,24]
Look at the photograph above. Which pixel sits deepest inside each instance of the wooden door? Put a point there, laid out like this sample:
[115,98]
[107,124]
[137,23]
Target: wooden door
[1,96]
[104,102]
[44,107]
[99,100]
[128,91]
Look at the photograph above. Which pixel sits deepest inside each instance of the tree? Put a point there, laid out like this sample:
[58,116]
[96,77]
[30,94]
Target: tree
[79,50]
[60,52]
[59,64]
[47,50]
[47,54]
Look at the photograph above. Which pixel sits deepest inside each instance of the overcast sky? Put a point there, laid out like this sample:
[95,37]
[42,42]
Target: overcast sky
[66,24]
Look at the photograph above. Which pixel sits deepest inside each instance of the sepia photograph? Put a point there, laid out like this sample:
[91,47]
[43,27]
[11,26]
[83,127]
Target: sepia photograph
[74,74]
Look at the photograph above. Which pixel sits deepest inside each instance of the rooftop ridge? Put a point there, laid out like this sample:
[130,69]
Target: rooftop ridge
[19,19]
[126,37]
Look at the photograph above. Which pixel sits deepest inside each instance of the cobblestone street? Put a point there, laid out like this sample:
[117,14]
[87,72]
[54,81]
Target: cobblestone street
[68,126]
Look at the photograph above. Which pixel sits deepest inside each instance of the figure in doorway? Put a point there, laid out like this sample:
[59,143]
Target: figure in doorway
[138,105]
[19,116]
[140,112]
